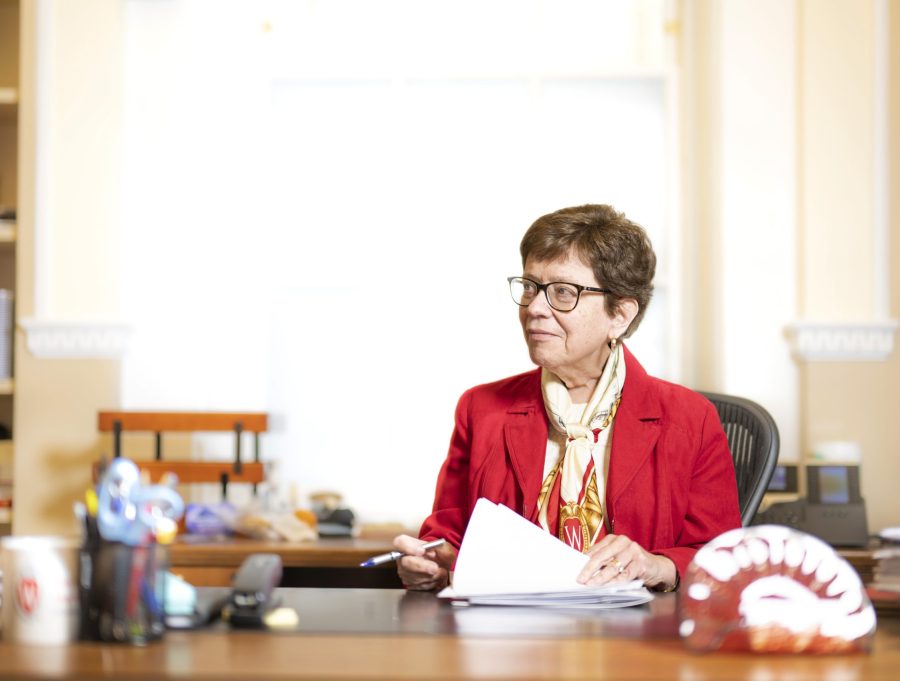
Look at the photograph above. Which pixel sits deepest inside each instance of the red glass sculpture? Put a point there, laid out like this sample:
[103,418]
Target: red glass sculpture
[776,590]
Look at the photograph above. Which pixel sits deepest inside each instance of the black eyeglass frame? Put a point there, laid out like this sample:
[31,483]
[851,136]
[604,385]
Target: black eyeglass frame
[543,287]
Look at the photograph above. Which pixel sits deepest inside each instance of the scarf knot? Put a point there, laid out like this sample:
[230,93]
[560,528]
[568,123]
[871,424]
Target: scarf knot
[576,431]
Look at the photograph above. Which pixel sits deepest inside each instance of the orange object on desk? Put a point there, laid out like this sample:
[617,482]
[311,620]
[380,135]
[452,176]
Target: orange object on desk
[307,517]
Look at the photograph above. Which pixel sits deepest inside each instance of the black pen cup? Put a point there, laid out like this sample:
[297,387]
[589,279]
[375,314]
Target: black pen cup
[122,591]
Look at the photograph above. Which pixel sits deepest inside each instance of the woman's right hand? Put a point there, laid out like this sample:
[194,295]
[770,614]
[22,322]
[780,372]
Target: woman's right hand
[421,570]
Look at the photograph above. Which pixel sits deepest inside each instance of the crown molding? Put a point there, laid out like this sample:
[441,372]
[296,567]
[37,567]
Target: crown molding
[50,339]
[842,341]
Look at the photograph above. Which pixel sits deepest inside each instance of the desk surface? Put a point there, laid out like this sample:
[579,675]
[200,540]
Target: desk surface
[387,634]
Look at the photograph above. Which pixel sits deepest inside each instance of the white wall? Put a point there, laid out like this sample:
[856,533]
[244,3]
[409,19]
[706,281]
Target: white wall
[323,202]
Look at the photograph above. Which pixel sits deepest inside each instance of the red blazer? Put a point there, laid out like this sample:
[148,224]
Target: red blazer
[671,484]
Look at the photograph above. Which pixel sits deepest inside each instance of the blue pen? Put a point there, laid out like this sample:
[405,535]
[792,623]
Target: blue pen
[396,555]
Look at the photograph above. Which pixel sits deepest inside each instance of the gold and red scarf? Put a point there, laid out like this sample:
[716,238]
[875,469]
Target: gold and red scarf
[570,502]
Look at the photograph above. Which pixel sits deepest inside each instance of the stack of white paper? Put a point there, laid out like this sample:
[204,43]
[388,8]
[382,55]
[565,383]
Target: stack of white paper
[506,560]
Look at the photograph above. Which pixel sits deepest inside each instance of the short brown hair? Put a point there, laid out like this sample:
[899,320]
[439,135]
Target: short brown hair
[617,249]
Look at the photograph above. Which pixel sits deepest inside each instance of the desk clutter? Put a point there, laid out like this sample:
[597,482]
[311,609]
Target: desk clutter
[886,573]
[114,585]
[885,584]
[766,589]
[264,517]
[110,585]
[251,603]
[832,509]
[267,519]
[122,559]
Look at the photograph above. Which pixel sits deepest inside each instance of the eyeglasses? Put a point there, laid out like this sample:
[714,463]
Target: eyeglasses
[561,296]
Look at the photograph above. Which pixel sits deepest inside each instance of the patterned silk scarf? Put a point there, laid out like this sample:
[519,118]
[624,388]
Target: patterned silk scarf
[570,501]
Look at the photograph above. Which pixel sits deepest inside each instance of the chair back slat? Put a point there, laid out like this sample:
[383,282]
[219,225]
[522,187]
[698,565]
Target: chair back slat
[120,422]
[182,421]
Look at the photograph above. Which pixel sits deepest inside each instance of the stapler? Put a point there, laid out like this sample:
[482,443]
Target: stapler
[252,592]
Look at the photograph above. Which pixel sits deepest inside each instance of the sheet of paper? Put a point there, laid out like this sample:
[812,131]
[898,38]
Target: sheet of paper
[507,560]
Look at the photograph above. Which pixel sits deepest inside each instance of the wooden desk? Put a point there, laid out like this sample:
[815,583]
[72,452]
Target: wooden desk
[322,563]
[387,634]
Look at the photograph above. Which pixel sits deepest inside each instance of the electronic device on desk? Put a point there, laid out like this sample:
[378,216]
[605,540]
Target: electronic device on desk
[248,603]
[334,519]
[252,591]
[833,510]
[783,487]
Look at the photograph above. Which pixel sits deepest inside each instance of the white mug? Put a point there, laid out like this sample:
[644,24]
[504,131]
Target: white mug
[40,589]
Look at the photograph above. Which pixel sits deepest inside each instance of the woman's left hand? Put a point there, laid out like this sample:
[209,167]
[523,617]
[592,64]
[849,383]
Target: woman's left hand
[616,558]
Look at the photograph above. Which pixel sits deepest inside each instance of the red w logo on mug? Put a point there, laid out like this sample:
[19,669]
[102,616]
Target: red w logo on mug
[27,594]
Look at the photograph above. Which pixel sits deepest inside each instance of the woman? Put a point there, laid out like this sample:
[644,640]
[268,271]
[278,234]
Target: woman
[630,469]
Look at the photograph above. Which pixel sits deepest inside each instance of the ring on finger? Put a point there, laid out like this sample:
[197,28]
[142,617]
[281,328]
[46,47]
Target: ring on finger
[616,563]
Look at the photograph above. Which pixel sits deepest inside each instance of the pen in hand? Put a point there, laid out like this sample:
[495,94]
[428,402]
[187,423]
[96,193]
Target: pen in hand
[397,555]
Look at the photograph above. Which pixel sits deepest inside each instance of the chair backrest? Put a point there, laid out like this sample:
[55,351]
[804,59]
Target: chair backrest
[224,472]
[753,440]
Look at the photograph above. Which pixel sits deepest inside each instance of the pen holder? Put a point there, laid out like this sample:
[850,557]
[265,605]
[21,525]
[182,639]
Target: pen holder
[123,592]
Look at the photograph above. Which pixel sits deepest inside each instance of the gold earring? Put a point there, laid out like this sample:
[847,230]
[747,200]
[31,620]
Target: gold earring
[612,344]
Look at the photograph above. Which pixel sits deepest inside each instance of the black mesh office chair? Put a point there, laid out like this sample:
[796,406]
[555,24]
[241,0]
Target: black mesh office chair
[753,440]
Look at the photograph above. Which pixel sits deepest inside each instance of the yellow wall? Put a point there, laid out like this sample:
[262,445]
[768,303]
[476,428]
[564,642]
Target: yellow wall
[835,117]
[56,416]
[857,401]
[67,251]
[834,231]
[701,130]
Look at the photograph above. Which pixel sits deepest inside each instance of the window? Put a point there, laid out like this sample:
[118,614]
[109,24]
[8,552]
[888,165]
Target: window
[325,200]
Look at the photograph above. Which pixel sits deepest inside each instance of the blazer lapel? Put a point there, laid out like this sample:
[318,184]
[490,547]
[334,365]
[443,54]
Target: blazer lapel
[635,431]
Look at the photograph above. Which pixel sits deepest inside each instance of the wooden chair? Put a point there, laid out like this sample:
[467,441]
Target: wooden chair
[223,472]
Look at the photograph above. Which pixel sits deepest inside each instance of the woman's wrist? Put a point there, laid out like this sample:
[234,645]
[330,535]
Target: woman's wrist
[667,578]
